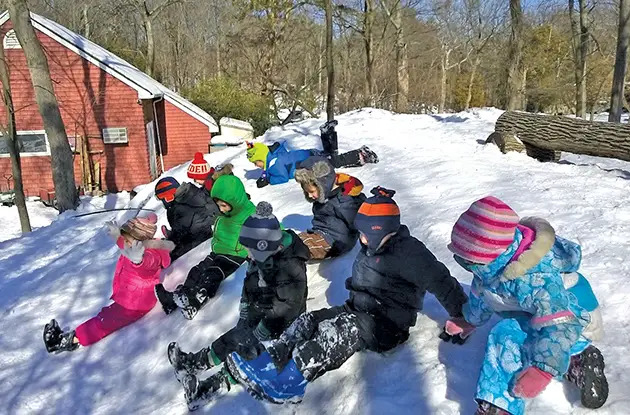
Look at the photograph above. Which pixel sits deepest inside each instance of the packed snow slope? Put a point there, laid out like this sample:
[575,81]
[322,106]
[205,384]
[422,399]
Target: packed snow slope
[438,167]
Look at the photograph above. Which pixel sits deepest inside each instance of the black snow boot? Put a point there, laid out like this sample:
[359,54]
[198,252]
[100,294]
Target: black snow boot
[329,138]
[165,298]
[56,340]
[188,363]
[190,301]
[198,392]
[586,371]
[486,408]
[368,156]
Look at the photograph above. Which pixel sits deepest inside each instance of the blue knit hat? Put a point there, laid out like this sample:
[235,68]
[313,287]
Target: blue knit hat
[378,216]
[261,233]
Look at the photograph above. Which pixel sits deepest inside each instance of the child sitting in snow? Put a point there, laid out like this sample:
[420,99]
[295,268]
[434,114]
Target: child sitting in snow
[336,198]
[528,275]
[190,210]
[274,294]
[137,272]
[227,254]
[389,279]
[279,164]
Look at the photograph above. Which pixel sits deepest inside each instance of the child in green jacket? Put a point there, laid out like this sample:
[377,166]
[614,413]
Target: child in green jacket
[227,254]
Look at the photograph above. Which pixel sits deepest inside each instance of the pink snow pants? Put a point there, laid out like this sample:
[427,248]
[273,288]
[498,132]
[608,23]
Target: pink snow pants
[108,320]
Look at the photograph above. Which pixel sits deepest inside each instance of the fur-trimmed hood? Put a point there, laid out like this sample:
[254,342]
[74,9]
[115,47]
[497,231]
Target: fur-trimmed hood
[159,244]
[564,255]
[316,171]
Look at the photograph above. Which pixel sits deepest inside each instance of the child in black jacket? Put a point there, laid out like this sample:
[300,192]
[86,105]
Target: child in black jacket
[274,294]
[389,279]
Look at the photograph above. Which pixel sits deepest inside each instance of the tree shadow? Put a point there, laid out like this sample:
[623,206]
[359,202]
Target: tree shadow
[253,174]
[449,118]
[300,223]
[337,270]
[622,174]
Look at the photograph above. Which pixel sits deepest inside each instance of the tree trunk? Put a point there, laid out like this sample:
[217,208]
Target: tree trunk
[330,70]
[621,59]
[61,155]
[86,22]
[368,40]
[402,72]
[513,82]
[559,133]
[13,144]
[580,50]
[443,78]
[471,81]
[217,22]
[148,28]
[320,90]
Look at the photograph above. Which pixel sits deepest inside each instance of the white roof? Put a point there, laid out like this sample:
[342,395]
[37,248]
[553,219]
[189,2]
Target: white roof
[234,123]
[147,87]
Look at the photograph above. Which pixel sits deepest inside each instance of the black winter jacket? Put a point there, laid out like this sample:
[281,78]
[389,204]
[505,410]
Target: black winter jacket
[390,286]
[191,216]
[275,292]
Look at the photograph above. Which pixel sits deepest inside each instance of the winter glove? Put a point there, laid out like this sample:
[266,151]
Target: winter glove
[261,332]
[113,230]
[166,232]
[135,252]
[530,382]
[457,330]
[262,181]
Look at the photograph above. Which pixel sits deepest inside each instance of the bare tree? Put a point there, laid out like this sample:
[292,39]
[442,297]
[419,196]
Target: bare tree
[61,154]
[579,29]
[621,61]
[402,58]
[330,70]
[12,142]
[514,78]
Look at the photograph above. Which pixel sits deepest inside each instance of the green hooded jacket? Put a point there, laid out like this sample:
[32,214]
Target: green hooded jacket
[227,228]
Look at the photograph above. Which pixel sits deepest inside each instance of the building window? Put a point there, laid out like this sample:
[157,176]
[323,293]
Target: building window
[11,41]
[115,136]
[32,143]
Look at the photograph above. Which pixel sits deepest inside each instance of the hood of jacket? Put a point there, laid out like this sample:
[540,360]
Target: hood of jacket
[191,195]
[230,189]
[318,171]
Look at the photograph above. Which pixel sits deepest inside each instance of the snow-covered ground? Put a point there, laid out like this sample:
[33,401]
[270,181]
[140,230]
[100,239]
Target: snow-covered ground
[438,167]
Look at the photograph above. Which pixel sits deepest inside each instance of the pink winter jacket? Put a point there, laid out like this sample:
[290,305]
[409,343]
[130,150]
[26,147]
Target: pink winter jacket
[133,284]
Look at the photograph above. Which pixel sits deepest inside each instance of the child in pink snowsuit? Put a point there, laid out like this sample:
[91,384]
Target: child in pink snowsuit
[137,272]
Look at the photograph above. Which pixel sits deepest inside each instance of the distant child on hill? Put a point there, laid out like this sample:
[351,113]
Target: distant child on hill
[137,272]
[190,210]
[390,276]
[279,164]
[528,276]
[274,294]
[227,254]
[336,198]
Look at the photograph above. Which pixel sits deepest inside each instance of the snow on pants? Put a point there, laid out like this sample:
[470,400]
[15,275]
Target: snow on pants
[108,320]
[507,353]
[333,341]
[210,272]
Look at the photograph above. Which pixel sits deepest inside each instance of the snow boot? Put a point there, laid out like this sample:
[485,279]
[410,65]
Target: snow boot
[486,408]
[329,138]
[165,298]
[56,340]
[188,363]
[367,155]
[586,371]
[190,302]
[260,378]
[198,393]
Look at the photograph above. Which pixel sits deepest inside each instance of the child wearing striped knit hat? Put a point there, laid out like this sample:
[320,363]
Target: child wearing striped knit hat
[528,276]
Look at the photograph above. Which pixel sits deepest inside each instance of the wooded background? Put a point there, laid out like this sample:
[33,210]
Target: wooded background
[232,56]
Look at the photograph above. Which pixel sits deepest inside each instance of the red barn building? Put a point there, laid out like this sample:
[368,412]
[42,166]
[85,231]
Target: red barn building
[125,128]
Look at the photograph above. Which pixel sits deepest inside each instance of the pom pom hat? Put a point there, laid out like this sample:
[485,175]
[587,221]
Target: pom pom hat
[378,217]
[198,169]
[484,231]
[261,233]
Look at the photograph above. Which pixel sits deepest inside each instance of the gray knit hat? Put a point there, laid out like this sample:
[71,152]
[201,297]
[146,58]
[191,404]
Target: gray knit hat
[261,233]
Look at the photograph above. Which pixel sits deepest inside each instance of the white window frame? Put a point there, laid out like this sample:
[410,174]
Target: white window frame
[27,132]
[4,40]
[115,142]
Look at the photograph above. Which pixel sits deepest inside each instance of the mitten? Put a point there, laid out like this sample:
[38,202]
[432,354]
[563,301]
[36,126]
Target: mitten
[135,252]
[113,230]
[166,232]
[457,330]
[262,181]
[530,382]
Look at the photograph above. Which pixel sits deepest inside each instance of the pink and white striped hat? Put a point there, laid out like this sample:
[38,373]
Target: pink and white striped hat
[484,231]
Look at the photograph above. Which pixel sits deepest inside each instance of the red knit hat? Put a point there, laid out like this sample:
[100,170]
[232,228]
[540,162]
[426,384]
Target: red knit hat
[198,168]
[484,231]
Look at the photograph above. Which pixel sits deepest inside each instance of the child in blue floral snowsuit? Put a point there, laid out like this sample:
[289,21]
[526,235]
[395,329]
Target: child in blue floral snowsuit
[526,274]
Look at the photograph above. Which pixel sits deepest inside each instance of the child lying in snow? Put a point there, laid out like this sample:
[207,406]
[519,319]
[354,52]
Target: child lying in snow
[227,254]
[274,294]
[279,164]
[190,210]
[137,272]
[528,275]
[389,279]
[336,198]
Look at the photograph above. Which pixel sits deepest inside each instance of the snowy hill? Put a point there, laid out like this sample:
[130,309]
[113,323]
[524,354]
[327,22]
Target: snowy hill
[437,166]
